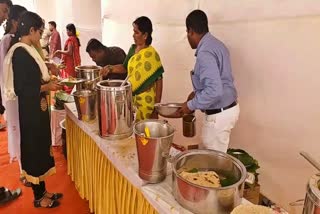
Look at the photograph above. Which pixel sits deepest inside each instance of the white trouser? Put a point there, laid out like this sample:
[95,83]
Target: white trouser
[216,129]
[13,127]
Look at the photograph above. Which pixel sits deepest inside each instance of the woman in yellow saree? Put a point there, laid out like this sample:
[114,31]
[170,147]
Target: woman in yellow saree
[144,68]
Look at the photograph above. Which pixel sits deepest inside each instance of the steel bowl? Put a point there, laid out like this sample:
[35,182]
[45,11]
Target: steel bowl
[168,110]
[200,199]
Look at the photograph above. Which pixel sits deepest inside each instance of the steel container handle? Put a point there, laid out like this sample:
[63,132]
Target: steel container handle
[296,203]
[167,156]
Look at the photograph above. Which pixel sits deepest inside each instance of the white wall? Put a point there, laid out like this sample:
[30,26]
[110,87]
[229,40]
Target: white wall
[29,4]
[87,21]
[274,49]
[276,72]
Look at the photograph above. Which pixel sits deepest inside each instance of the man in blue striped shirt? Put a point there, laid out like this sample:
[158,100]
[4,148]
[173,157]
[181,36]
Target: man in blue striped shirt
[214,92]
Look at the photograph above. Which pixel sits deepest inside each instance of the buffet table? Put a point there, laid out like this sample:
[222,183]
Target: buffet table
[106,172]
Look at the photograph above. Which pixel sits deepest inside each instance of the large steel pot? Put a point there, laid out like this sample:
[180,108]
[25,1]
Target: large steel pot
[199,199]
[91,74]
[153,149]
[115,109]
[312,199]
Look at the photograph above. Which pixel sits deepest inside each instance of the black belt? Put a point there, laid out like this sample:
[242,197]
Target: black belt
[215,111]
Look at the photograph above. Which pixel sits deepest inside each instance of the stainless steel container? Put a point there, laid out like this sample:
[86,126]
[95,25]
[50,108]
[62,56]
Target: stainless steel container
[91,74]
[115,109]
[153,150]
[168,110]
[86,104]
[199,199]
[312,199]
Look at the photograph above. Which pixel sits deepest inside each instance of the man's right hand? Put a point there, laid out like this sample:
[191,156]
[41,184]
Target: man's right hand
[105,70]
[184,109]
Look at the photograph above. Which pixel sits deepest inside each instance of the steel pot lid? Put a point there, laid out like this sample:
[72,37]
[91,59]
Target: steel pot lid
[112,85]
[313,190]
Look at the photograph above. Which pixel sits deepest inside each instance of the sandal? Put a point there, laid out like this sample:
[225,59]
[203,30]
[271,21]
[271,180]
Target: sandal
[8,195]
[25,182]
[55,196]
[52,204]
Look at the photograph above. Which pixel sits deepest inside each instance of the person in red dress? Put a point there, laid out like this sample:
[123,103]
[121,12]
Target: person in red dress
[70,53]
[55,40]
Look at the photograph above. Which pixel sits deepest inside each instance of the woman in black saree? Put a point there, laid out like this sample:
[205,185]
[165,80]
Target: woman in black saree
[27,79]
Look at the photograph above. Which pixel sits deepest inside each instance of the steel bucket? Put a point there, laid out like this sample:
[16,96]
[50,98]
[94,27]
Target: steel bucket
[115,109]
[86,104]
[200,199]
[153,150]
[91,74]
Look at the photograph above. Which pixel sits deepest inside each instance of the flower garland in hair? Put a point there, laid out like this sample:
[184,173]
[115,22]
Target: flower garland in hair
[77,33]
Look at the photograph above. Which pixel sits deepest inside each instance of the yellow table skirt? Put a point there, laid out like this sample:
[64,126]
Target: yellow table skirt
[97,180]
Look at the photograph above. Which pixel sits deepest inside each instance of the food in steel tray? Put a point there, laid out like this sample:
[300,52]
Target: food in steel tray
[53,77]
[202,178]
[70,81]
[252,209]
[61,66]
[207,177]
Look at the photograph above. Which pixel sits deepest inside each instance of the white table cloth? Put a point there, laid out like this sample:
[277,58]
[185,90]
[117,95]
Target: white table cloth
[123,155]
[56,117]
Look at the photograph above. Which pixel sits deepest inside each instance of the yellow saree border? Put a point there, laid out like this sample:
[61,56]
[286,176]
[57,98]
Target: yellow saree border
[36,180]
[98,180]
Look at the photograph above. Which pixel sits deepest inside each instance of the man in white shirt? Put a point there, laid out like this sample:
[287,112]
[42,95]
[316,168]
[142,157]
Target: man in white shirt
[44,41]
